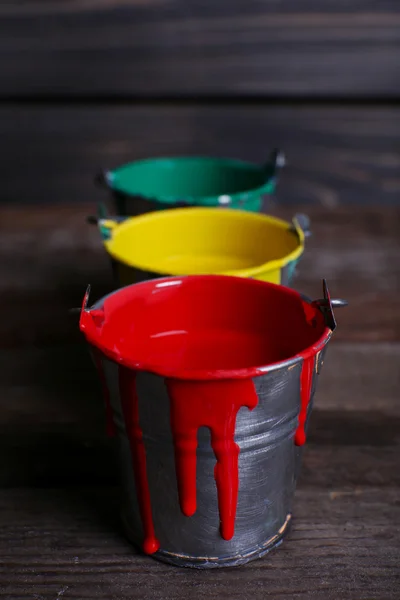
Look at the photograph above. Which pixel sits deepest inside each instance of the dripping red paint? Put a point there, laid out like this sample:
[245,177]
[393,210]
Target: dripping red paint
[130,410]
[212,404]
[306,379]
[208,336]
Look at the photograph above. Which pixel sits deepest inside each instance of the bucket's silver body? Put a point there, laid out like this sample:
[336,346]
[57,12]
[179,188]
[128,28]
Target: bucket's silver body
[269,463]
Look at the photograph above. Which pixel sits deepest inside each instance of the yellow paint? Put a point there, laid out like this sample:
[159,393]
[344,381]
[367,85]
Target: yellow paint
[205,240]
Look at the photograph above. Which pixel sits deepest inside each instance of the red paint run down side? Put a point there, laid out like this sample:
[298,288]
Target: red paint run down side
[130,410]
[208,336]
[306,378]
[212,404]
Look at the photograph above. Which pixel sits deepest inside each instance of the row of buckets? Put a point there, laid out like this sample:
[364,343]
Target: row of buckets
[207,358]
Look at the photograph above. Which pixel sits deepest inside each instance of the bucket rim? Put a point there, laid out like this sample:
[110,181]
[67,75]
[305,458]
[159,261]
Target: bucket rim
[243,196]
[254,271]
[203,374]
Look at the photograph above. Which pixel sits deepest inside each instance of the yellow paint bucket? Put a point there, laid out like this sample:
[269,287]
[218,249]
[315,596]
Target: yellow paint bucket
[193,241]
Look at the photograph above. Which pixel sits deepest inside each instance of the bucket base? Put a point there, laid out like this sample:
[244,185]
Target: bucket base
[214,562]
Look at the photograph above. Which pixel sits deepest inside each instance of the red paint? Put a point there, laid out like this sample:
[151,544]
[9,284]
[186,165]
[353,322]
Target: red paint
[130,410]
[306,378]
[204,327]
[214,405]
[208,336]
[110,425]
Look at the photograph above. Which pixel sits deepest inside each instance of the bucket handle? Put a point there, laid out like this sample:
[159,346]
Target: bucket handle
[108,222]
[106,227]
[103,178]
[85,302]
[105,223]
[102,213]
[276,161]
[326,305]
[301,225]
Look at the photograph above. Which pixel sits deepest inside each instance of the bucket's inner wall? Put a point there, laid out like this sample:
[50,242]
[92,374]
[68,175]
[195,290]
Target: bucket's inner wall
[208,323]
[201,241]
[187,178]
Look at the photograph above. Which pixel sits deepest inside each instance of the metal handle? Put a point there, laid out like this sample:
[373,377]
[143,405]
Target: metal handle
[277,160]
[301,223]
[106,227]
[326,305]
[105,223]
[335,302]
[102,213]
[274,165]
[85,302]
[96,314]
[103,178]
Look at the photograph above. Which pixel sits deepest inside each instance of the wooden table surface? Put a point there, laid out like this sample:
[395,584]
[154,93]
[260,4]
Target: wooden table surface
[90,84]
[60,536]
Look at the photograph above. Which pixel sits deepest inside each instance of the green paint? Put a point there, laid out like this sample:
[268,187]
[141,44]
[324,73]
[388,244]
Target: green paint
[199,181]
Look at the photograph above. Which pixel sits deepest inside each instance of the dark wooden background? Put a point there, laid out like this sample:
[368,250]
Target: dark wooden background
[87,84]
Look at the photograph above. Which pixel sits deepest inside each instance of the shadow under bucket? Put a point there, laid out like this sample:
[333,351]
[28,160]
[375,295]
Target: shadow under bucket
[195,241]
[157,183]
[208,383]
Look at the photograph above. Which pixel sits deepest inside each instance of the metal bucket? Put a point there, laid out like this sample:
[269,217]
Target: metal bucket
[193,241]
[209,383]
[158,183]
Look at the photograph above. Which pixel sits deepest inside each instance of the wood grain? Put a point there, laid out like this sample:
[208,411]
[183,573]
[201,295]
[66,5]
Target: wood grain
[166,68]
[335,155]
[344,544]
[52,419]
[78,454]
[160,47]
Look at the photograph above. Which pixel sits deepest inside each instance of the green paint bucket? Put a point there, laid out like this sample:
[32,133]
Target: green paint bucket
[158,183]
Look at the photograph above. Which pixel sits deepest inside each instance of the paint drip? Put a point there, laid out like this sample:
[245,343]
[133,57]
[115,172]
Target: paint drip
[130,410]
[306,379]
[212,404]
[208,353]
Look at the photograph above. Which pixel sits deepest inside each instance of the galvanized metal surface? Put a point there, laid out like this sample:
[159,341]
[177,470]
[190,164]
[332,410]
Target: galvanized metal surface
[269,464]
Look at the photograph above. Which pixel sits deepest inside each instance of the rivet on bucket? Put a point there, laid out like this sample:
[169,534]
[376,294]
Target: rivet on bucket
[203,400]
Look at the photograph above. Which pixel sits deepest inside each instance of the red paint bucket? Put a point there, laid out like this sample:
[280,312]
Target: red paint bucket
[208,383]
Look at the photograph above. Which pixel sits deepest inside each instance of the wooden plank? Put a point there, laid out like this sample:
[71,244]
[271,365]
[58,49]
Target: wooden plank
[349,382]
[76,455]
[160,47]
[49,254]
[343,544]
[52,420]
[336,155]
